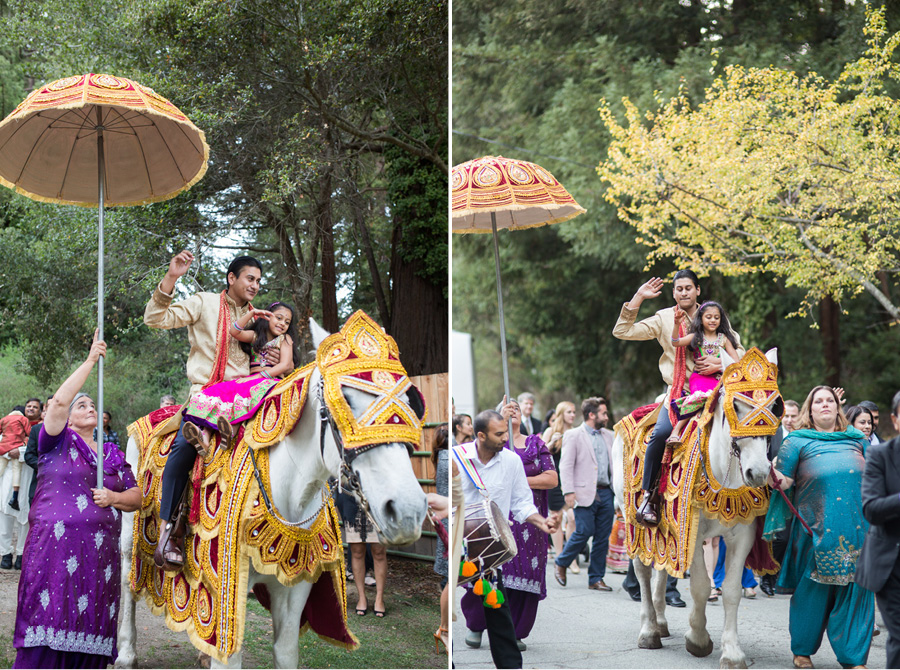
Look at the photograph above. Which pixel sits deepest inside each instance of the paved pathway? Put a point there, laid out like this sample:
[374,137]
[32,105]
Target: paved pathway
[578,628]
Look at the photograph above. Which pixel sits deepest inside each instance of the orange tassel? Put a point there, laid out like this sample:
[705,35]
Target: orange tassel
[491,599]
[478,589]
[468,569]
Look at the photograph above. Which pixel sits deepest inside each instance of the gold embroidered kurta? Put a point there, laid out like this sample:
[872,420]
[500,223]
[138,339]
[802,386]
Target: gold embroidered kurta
[200,315]
[658,327]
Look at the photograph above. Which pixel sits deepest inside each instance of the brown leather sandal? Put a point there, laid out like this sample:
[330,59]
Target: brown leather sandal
[803,662]
[226,432]
[194,437]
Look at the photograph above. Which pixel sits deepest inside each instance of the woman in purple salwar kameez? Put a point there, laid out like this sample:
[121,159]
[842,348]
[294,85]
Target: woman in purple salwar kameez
[69,589]
[525,576]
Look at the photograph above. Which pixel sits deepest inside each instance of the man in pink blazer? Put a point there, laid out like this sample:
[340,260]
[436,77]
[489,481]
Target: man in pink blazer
[585,473]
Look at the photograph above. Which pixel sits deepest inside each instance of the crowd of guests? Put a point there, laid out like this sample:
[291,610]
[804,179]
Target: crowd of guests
[837,561]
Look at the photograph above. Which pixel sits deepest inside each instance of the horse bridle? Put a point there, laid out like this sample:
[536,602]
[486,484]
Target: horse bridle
[734,452]
[347,456]
[354,487]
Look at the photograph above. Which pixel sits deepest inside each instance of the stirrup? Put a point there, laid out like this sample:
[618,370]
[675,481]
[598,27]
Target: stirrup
[226,432]
[169,554]
[648,511]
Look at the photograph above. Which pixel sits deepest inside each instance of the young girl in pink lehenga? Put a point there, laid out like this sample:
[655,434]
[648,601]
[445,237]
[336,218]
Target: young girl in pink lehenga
[709,333]
[225,405]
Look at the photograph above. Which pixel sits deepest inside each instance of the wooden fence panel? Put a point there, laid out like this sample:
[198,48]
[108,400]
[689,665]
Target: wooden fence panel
[436,390]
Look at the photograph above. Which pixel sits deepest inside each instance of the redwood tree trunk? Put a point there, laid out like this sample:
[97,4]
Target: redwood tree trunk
[830,313]
[419,321]
[329,274]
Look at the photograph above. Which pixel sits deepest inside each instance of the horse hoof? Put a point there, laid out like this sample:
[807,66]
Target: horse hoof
[650,641]
[698,650]
[732,663]
[664,630]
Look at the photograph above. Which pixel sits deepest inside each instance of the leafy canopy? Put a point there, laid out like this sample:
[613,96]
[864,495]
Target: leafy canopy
[774,171]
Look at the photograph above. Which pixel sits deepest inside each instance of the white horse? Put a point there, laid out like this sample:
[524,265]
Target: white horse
[746,465]
[299,468]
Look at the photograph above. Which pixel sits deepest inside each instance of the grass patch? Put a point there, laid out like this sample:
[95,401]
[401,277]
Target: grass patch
[402,639]
[7,651]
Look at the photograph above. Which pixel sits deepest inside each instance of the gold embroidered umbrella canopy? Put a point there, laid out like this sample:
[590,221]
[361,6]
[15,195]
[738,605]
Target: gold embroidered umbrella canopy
[494,192]
[97,140]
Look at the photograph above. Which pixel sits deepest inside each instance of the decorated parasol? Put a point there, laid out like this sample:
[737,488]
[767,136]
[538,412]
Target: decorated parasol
[99,140]
[495,192]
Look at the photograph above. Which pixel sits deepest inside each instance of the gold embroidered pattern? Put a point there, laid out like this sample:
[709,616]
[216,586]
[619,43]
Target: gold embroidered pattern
[207,599]
[671,544]
[281,410]
[753,381]
[364,357]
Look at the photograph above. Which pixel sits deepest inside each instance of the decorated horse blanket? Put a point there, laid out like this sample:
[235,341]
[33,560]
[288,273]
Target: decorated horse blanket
[208,597]
[689,489]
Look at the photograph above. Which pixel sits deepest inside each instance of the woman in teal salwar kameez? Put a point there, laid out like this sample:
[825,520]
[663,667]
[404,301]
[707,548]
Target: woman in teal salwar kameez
[823,461]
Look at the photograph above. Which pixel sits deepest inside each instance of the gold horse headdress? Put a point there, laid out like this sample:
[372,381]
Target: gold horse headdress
[753,381]
[362,356]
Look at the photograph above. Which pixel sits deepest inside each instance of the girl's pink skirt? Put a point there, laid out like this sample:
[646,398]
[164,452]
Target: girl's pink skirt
[236,400]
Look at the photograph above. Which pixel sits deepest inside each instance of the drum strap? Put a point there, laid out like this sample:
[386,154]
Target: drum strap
[468,466]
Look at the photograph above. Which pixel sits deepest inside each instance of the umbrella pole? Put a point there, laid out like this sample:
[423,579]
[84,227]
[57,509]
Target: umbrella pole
[100,180]
[502,320]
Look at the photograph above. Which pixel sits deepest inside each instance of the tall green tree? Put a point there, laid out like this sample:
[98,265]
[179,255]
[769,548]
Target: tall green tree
[300,102]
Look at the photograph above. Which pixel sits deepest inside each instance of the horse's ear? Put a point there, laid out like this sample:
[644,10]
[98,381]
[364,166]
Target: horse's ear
[772,356]
[416,401]
[726,359]
[318,333]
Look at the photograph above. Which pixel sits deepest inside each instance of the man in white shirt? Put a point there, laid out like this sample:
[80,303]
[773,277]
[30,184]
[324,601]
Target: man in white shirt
[503,476]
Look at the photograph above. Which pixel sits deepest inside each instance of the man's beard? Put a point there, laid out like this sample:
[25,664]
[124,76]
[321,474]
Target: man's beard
[492,446]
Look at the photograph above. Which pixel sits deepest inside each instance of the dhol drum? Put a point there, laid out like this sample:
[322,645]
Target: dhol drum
[488,539]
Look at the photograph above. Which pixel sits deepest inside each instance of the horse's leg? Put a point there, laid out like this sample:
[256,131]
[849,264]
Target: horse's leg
[127,627]
[287,610]
[649,637]
[697,640]
[659,583]
[234,661]
[738,546]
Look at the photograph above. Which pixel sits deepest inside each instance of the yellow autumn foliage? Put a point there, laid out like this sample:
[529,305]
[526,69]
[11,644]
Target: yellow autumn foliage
[773,171]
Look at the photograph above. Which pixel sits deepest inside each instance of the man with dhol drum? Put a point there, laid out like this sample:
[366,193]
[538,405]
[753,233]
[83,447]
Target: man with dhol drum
[499,473]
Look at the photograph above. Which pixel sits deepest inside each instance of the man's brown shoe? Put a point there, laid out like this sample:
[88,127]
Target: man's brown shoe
[226,431]
[648,511]
[599,586]
[194,437]
[169,554]
[803,662]
[560,573]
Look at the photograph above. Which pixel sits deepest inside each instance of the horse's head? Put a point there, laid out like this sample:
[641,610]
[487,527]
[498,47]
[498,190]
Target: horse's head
[375,414]
[752,406]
